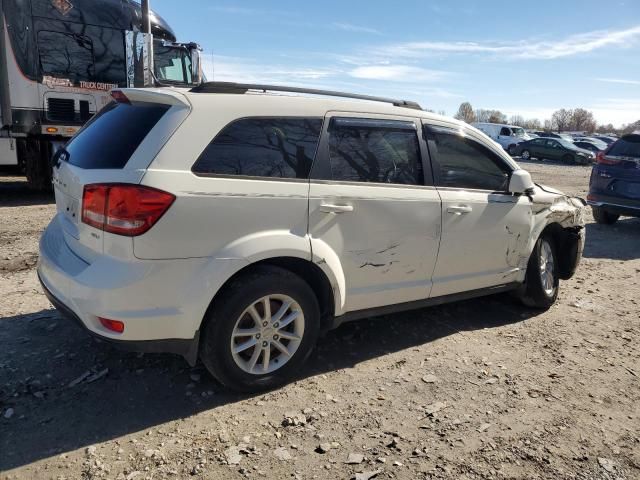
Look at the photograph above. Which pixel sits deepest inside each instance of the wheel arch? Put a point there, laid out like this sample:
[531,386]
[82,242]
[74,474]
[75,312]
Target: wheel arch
[568,242]
[311,273]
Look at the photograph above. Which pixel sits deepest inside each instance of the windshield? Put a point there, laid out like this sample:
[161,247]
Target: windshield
[518,132]
[171,64]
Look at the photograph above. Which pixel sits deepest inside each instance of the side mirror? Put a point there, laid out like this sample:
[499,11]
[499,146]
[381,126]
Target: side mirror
[520,182]
[196,64]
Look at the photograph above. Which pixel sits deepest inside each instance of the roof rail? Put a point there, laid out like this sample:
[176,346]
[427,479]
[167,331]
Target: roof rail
[242,88]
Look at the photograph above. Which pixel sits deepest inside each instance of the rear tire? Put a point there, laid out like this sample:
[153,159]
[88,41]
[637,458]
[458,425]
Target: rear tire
[603,217]
[525,155]
[540,289]
[247,313]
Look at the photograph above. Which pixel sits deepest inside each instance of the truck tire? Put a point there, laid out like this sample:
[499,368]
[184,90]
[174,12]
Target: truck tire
[34,155]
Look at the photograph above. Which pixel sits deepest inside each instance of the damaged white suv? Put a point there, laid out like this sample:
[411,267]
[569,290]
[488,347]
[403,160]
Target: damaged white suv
[235,223]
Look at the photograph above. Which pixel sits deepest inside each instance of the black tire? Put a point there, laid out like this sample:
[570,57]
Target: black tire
[603,217]
[568,159]
[525,155]
[35,160]
[512,149]
[533,293]
[227,309]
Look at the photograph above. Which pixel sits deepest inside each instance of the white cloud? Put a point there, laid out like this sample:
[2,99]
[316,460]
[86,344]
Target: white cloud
[398,73]
[349,27]
[523,49]
[623,81]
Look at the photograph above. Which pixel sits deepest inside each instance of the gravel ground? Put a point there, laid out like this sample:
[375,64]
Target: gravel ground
[483,389]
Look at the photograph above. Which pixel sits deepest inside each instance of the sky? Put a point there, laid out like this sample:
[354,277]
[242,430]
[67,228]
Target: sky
[524,58]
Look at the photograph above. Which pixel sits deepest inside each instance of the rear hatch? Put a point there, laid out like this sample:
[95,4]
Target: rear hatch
[116,146]
[621,164]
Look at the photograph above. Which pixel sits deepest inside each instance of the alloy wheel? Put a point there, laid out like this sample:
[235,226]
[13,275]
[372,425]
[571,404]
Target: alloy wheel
[547,267]
[267,334]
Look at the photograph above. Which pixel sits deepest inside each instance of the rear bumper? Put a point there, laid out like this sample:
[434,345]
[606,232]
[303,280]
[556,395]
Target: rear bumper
[161,302]
[616,205]
[188,348]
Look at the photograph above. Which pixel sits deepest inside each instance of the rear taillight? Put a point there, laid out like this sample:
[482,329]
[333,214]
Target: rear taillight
[123,209]
[602,159]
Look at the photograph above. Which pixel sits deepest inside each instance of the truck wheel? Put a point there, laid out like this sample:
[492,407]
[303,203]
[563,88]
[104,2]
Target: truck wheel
[603,217]
[260,330]
[35,158]
[541,283]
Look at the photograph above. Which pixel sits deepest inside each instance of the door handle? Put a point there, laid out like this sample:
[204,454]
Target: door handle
[460,209]
[329,208]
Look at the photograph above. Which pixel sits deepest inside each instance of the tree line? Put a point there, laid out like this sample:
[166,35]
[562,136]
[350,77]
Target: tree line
[562,120]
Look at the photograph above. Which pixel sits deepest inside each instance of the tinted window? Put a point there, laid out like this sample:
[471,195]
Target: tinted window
[465,163]
[111,137]
[66,55]
[626,147]
[505,131]
[263,147]
[377,151]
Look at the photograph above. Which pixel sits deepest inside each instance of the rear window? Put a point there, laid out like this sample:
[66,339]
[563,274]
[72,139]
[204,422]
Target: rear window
[262,147]
[111,137]
[626,147]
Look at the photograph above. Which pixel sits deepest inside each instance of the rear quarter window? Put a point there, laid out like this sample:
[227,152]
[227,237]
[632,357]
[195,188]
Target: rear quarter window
[277,147]
[111,137]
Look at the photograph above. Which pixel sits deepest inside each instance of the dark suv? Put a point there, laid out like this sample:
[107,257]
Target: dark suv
[614,188]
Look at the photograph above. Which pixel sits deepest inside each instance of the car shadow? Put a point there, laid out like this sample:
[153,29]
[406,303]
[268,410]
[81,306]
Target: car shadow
[14,191]
[620,241]
[58,407]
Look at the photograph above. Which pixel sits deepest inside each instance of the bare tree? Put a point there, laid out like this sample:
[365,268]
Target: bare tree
[466,113]
[561,119]
[517,120]
[532,124]
[497,116]
[582,120]
[548,124]
[632,127]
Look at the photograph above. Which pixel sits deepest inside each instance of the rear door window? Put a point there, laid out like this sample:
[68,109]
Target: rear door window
[111,137]
[377,151]
[262,147]
[626,147]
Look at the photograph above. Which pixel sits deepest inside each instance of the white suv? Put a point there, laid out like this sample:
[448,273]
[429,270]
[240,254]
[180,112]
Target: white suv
[236,223]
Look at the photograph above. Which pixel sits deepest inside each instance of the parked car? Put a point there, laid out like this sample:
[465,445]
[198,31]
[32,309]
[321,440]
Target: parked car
[606,139]
[555,135]
[235,225]
[614,188]
[591,144]
[554,149]
[508,136]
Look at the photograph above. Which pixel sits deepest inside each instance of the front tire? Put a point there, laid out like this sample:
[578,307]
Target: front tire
[541,284]
[603,217]
[260,330]
[512,149]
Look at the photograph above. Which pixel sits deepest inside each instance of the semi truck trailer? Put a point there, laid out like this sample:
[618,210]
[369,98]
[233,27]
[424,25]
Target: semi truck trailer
[59,60]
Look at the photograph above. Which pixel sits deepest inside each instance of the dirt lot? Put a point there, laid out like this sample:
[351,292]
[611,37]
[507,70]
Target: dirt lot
[476,390]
